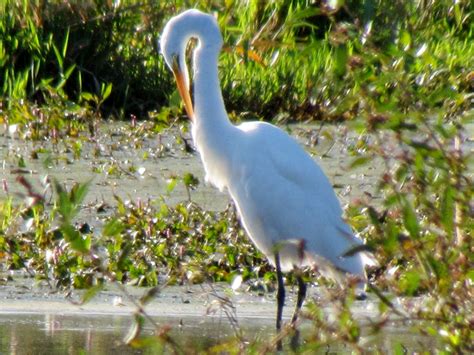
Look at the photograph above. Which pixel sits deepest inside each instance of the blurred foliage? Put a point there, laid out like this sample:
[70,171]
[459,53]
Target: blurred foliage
[423,232]
[140,244]
[313,59]
[400,72]
[77,46]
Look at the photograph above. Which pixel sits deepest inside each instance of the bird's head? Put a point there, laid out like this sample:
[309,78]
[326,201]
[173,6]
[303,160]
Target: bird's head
[176,34]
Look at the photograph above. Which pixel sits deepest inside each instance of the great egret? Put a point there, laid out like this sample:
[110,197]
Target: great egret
[286,203]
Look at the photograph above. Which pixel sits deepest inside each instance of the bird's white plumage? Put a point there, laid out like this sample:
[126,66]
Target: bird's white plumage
[285,201]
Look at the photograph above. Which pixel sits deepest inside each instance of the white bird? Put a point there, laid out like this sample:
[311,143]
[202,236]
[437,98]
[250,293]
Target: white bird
[286,203]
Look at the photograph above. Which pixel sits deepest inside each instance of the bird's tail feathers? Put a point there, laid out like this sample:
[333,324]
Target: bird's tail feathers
[359,248]
[327,268]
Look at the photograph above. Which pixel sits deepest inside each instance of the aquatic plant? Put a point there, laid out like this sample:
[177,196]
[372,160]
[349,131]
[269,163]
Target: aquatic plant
[402,78]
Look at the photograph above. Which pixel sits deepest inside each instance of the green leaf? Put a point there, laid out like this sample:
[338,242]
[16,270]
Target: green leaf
[175,99]
[76,240]
[399,349]
[79,192]
[190,180]
[63,204]
[410,282]
[410,220]
[87,96]
[439,268]
[69,71]
[457,13]
[121,208]
[91,292]
[341,55]
[58,57]
[65,44]
[113,228]
[470,275]
[420,145]
[359,161]
[135,330]
[447,209]
[21,162]
[124,257]
[374,216]
[79,81]
[171,185]
[106,91]
[45,83]
[405,40]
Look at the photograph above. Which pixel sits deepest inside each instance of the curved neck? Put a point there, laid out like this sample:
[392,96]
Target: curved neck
[208,102]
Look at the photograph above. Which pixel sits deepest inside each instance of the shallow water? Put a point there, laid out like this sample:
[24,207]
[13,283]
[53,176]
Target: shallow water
[34,319]
[95,334]
[104,334]
[49,334]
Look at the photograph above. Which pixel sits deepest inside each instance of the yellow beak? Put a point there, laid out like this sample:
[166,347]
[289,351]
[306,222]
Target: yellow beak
[183,90]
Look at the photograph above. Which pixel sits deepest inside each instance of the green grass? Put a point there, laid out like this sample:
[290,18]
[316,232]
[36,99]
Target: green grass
[394,71]
[292,57]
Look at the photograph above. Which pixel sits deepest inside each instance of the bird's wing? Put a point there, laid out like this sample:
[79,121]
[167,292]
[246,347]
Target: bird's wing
[283,194]
[277,159]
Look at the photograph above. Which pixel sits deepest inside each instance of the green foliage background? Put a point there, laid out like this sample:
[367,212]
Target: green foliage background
[400,73]
[299,59]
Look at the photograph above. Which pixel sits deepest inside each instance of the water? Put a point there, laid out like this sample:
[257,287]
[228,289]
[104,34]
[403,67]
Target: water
[104,334]
[61,334]
[93,334]
[34,319]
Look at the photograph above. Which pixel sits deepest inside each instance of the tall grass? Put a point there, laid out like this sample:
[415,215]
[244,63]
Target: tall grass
[302,59]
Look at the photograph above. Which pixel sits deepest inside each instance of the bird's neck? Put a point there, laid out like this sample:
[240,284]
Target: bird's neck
[213,134]
[208,102]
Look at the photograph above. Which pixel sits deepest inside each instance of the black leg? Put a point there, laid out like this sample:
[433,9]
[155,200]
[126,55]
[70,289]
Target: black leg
[301,297]
[299,303]
[280,299]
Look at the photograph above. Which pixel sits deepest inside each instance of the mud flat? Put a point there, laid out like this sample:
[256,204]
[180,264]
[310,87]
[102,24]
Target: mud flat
[140,166]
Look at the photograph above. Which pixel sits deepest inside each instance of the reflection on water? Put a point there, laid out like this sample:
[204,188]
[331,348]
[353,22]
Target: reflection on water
[104,334]
[60,334]
[74,334]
